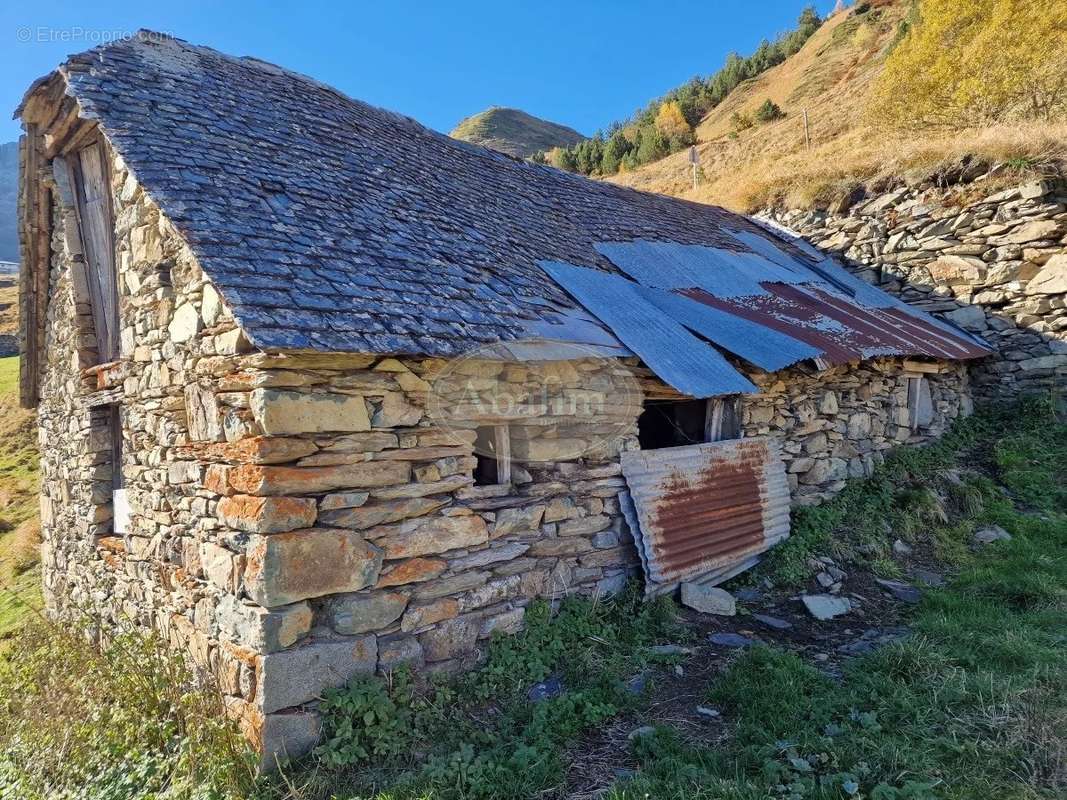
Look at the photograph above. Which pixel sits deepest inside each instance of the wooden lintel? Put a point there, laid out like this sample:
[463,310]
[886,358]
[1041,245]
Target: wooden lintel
[928,367]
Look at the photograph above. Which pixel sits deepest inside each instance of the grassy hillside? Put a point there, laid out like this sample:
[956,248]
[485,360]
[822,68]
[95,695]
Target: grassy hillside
[747,164]
[514,132]
[19,528]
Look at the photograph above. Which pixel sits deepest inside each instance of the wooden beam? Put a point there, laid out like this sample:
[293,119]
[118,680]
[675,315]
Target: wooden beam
[928,367]
[27,278]
[502,445]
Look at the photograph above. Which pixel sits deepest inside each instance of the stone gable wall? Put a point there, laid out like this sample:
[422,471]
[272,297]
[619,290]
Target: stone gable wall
[296,519]
[995,264]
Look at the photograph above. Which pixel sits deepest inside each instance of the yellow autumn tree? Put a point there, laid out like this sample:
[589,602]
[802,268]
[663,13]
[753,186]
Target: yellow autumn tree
[964,64]
[671,122]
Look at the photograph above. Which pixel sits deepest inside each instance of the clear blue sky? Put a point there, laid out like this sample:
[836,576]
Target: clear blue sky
[583,64]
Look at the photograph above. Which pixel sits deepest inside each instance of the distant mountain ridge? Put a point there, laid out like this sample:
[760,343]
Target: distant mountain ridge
[514,132]
[9,192]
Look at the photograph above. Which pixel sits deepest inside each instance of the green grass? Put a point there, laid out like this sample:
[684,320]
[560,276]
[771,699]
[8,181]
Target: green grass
[19,575]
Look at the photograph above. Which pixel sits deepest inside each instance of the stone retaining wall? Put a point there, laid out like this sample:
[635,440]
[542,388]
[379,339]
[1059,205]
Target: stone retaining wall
[993,263]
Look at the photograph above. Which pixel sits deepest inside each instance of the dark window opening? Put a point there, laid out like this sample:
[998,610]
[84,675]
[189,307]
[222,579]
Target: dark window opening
[492,449]
[671,423]
[677,423]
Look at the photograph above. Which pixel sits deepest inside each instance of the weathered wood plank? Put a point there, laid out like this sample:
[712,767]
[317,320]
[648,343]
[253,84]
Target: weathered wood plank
[97,234]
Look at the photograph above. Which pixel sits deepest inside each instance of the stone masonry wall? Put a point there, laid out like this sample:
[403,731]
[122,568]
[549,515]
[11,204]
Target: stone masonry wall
[299,518]
[838,423]
[994,263]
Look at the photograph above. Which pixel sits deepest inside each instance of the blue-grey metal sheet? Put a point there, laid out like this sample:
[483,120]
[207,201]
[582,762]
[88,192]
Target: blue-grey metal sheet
[757,344]
[723,273]
[690,365]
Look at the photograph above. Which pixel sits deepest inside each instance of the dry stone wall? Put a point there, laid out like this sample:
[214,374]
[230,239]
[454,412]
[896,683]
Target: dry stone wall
[839,423]
[297,519]
[995,264]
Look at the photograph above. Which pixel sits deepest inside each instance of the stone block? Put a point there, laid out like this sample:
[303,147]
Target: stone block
[300,675]
[583,526]
[185,324]
[274,480]
[971,318]
[451,638]
[280,412]
[434,535]
[362,517]
[492,555]
[396,412]
[343,500]
[451,585]
[509,621]
[363,613]
[560,547]
[395,653]
[1052,277]
[420,616]
[491,593]
[267,514]
[513,520]
[952,270]
[414,570]
[261,629]
[221,566]
[283,568]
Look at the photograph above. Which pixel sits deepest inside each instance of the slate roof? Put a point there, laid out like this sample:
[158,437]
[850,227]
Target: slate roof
[329,224]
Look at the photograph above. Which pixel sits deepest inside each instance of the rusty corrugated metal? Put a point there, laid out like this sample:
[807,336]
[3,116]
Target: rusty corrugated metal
[704,512]
[842,328]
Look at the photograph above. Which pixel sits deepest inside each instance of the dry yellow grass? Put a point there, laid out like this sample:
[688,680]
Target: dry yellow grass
[9,305]
[831,77]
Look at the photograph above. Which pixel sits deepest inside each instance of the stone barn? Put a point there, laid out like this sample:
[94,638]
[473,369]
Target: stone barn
[322,391]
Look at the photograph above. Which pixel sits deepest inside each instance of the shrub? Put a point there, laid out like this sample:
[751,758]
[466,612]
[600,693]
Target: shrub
[768,111]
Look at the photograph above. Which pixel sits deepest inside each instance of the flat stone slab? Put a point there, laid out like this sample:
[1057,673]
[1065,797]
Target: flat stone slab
[826,606]
[708,599]
[773,622]
[990,534]
[669,650]
[637,684]
[904,592]
[731,640]
[928,577]
[551,687]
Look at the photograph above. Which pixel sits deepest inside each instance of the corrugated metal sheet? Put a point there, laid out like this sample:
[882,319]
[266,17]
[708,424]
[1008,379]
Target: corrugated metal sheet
[683,361]
[704,512]
[840,328]
[756,343]
[797,297]
[724,273]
